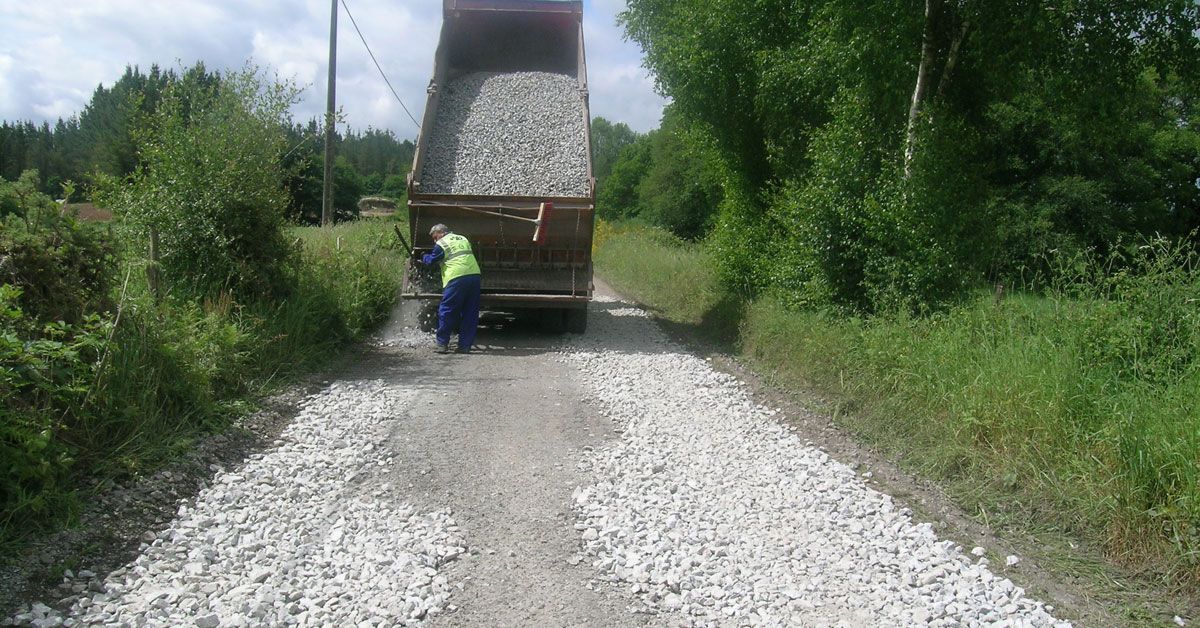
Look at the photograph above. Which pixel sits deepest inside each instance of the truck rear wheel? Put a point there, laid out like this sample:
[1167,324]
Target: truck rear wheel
[576,320]
[552,320]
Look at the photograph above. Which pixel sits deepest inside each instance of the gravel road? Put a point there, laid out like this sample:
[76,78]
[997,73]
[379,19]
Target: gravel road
[612,479]
[711,508]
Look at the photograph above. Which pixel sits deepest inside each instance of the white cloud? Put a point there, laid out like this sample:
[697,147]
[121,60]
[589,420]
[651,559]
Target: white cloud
[629,92]
[54,53]
[300,59]
[621,89]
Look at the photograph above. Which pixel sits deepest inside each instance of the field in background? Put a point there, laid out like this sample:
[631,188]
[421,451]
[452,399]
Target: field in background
[87,212]
[1076,411]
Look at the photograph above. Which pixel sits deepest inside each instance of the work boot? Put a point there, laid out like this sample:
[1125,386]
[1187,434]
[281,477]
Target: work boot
[442,348]
[466,349]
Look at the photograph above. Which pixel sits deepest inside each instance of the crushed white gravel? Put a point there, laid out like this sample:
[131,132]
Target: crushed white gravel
[404,337]
[298,535]
[514,133]
[708,508]
[711,509]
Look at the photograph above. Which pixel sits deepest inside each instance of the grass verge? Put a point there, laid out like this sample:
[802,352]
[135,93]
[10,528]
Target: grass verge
[1076,412]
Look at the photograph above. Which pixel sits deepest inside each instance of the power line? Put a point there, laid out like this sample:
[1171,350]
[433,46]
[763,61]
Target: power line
[299,144]
[385,78]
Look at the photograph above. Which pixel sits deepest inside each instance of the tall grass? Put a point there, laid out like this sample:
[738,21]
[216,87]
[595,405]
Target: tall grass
[1077,408]
[658,269]
[349,277]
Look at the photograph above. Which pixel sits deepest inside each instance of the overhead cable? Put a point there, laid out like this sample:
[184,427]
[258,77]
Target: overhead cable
[377,67]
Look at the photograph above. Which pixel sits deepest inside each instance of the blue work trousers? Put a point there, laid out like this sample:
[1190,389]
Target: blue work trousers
[459,311]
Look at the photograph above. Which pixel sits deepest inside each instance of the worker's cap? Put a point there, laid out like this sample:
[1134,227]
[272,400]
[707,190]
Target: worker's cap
[439,228]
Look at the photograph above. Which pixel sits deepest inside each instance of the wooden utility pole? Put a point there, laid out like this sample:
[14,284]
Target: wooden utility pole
[327,190]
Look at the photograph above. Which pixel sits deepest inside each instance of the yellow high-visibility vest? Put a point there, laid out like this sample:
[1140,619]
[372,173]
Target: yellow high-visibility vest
[458,260]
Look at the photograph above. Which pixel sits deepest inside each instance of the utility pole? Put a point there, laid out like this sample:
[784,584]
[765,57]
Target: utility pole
[327,190]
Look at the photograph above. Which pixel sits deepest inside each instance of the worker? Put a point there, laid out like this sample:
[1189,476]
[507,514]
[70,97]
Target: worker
[459,309]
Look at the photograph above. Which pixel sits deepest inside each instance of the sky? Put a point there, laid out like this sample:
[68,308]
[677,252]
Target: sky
[53,53]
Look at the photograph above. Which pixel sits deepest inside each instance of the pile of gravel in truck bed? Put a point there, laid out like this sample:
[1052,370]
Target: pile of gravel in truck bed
[517,133]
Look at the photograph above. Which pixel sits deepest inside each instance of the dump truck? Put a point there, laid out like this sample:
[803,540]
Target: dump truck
[504,158]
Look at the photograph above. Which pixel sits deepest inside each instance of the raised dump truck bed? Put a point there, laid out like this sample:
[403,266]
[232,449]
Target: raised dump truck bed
[506,137]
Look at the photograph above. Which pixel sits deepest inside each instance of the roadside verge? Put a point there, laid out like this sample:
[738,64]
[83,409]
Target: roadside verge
[793,361]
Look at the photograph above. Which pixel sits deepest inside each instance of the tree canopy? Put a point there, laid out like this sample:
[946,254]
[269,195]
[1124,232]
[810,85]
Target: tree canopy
[895,153]
[664,177]
[103,140]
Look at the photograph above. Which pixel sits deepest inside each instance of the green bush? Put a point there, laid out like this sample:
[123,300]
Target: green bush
[47,371]
[857,237]
[101,378]
[55,276]
[618,198]
[667,178]
[681,190]
[175,370]
[98,379]
[63,268]
[344,285]
[113,397]
[851,236]
[743,268]
[212,184]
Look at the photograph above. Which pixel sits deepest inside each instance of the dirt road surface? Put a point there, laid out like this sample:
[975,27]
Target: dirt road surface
[613,479]
[496,437]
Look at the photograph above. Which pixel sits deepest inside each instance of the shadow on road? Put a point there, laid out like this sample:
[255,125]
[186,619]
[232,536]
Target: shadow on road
[526,333]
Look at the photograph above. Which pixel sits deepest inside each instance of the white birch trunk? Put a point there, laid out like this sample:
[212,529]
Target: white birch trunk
[952,58]
[924,76]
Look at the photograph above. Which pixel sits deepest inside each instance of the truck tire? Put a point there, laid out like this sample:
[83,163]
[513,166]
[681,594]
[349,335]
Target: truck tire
[576,320]
[552,320]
